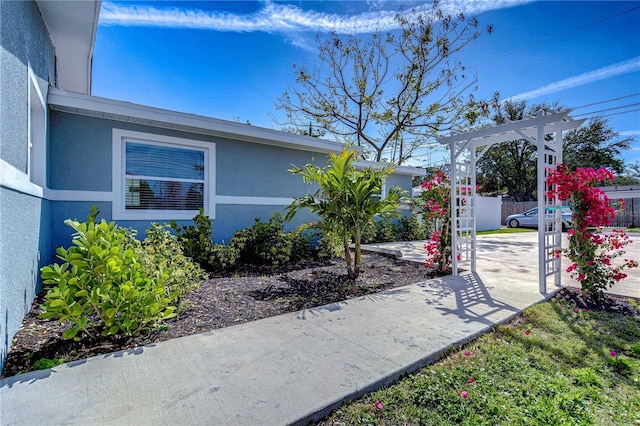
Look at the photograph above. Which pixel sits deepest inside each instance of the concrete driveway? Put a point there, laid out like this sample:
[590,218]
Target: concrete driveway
[515,257]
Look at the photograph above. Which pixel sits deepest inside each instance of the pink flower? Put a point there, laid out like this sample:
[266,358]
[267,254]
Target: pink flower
[464,394]
[577,311]
[467,354]
[527,333]
[379,405]
[472,379]
[613,353]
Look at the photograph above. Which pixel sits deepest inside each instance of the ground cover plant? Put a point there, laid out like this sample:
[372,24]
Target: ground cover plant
[555,364]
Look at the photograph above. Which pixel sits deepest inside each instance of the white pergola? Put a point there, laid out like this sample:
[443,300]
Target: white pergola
[545,132]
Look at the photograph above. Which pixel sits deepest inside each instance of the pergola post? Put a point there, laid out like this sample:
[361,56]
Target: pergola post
[542,212]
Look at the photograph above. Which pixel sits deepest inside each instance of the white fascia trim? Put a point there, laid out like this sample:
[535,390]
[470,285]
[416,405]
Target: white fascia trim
[119,110]
[72,195]
[118,212]
[401,170]
[253,201]
[14,179]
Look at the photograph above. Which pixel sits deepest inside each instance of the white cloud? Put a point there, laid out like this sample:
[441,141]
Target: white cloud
[613,70]
[279,17]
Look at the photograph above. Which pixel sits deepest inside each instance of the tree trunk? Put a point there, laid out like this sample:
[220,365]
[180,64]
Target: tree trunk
[347,255]
[358,255]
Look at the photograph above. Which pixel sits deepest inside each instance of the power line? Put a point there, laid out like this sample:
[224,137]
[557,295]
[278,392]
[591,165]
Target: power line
[556,37]
[604,102]
[608,109]
[617,113]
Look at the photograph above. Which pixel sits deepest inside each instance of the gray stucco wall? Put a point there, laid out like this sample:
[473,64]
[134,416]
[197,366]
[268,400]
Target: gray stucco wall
[24,219]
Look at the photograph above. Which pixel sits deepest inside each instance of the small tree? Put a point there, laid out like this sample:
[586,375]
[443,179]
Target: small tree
[388,92]
[347,201]
[591,251]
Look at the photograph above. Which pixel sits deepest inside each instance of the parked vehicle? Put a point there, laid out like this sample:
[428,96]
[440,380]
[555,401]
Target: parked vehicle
[529,219]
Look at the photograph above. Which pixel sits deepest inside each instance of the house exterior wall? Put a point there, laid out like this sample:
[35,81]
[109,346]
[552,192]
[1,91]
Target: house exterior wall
[251,180]
[24,215]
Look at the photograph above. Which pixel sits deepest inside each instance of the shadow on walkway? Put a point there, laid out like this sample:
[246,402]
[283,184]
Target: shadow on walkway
[473,300]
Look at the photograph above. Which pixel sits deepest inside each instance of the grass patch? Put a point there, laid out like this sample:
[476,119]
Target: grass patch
[505,230]
[551,366]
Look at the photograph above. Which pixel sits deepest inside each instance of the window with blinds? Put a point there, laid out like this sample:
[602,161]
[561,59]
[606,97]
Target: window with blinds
[163,177]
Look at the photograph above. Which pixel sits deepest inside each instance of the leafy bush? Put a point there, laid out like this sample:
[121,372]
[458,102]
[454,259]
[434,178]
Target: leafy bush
[412,229]
[161,252]
[223,257]
[112,283]
[264,243]
[330,245]
[402,230]
[197,239]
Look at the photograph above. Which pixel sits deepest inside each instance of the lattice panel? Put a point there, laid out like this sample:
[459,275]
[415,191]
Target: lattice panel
[463,203]
[552,221]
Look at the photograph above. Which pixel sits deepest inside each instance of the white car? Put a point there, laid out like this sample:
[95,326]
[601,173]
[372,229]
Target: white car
[529,219]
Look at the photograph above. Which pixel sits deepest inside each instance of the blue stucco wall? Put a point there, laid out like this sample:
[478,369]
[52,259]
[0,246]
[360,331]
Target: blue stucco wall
[24,41]
[80,153]
[81,157]
[24,219]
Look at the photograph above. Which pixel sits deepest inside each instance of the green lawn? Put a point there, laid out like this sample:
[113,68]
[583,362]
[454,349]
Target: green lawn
[505,230]
[561,372]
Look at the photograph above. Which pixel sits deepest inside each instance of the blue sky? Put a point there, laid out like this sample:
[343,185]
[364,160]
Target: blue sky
[233,59]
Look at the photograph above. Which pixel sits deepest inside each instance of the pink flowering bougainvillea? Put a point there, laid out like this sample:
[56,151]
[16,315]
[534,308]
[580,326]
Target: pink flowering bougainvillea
[591,251]
[436,196]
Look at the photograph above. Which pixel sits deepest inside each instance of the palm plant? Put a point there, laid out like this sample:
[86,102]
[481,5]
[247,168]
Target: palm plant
[347,201]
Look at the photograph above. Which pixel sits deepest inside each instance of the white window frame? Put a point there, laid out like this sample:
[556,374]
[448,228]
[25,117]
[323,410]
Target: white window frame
[119,212]
[36,167]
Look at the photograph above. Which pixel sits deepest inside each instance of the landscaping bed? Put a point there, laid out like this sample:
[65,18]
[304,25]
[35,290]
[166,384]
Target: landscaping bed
[248,294]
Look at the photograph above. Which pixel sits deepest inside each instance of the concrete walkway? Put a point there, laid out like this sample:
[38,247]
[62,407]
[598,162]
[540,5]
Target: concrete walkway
[292,368]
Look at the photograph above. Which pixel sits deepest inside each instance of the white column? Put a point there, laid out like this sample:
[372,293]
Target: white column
[454,214]
[542,282]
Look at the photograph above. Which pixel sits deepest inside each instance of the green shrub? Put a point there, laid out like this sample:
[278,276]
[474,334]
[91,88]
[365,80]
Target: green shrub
[197,239]
[387,231]
[264,243]
[223,257]
[412,229]
[330,245]
[302,247]
[162,252]
[102,286]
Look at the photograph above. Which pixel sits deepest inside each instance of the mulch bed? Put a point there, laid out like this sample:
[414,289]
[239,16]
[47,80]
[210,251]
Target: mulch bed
[247,295]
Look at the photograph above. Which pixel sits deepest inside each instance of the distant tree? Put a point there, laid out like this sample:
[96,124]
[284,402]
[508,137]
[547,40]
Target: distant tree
[512,165]
[388,93]
[594,146]
[632,171]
